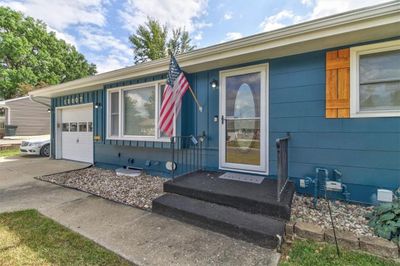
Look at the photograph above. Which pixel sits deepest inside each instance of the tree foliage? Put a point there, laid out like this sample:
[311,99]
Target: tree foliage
[31,57]
[150,41]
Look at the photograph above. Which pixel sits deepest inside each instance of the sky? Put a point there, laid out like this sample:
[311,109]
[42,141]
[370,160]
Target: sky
[100,28]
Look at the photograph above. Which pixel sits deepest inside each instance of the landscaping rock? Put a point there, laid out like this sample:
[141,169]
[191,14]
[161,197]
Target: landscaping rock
[346,240]
[309,231]
[135,191]
[379,246]
[346,216]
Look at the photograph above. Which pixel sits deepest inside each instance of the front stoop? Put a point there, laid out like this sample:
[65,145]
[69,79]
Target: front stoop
[241,210]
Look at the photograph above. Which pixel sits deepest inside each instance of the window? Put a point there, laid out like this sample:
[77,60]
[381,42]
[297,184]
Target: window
[73,127]
[114,114]
[139,112]
[133,112]
[90,126]
[65,127]
[375,80]
[82,126]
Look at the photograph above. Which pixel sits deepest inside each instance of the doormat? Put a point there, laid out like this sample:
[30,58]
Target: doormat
[257,179]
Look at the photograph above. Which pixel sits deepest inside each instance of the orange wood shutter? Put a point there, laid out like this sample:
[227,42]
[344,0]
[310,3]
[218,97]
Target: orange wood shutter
[338,84]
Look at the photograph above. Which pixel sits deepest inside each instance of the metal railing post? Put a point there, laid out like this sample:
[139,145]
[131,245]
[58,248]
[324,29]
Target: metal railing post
[173,166]
[282,150]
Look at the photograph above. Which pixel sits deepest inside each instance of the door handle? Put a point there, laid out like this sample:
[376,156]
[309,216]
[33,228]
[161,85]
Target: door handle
[222,119]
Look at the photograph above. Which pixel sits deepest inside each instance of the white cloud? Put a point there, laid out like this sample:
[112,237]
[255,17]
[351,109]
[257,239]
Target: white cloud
[228,15]
[230,36]
[175,13]
[323,8]
[68,38]
[198,36]
[279,20]
[110,62]
[307,2]
[60,14]
[317,9]
[108,52]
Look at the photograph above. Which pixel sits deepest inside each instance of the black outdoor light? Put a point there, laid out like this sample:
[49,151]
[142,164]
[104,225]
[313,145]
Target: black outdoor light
[214,84]
[97,105]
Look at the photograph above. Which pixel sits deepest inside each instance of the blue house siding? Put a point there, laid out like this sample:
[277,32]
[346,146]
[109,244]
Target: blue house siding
[365,150]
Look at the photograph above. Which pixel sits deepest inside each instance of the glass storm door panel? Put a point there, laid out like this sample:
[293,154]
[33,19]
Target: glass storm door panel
[243,119]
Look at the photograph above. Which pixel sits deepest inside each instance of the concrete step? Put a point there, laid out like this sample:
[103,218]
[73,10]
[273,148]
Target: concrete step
[248,197]
[255,228]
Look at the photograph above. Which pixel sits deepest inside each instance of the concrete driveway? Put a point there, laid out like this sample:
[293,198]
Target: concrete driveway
[19,190]
[139,236]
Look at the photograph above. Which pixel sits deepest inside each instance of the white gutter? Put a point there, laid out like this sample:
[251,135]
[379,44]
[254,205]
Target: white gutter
[290,40]
[36,99]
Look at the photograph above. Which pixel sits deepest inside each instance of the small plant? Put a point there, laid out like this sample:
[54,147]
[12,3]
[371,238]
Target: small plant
[385,219]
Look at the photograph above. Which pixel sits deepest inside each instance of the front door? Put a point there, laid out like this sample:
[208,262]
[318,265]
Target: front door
[243,119]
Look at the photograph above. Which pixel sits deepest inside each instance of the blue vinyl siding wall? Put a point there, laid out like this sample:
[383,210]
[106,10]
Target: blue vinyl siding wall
[366,150]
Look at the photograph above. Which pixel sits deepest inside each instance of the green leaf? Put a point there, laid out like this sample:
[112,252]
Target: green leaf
[385,207]
[384,232]
[387,216]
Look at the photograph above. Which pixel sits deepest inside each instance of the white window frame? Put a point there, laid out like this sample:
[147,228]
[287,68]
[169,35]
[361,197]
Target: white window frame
[355,53]
[157,86]
[263,168]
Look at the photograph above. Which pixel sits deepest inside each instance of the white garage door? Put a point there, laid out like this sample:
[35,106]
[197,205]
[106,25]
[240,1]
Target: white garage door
[77,134]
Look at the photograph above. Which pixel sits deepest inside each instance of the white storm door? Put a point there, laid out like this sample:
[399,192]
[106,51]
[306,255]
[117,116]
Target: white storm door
[77,134]
[243,125]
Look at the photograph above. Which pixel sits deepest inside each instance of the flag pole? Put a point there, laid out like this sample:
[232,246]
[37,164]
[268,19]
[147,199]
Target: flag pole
[195,99]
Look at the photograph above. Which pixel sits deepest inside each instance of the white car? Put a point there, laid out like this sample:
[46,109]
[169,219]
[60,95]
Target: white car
[35,147]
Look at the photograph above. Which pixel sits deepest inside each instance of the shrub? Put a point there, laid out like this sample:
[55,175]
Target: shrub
[385,219]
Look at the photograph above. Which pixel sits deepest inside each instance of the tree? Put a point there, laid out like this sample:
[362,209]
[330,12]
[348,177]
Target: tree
[31,57]
[180,42]
[150,41]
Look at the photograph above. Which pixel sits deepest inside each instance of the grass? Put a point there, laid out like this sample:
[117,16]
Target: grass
[311,253]
[9,152]
[29,238]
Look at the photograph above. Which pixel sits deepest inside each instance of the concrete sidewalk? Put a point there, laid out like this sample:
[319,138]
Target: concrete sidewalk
[139,236]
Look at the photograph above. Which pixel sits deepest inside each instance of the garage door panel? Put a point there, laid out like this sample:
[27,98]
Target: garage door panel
[76,140]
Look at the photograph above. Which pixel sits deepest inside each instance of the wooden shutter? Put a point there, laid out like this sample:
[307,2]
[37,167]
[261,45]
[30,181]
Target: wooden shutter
[338,84]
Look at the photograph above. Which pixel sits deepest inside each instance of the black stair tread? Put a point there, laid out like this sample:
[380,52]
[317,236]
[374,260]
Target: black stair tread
[222,214]
[209,182]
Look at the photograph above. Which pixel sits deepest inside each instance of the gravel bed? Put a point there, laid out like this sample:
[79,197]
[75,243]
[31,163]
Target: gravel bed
[135,191]
[346,216]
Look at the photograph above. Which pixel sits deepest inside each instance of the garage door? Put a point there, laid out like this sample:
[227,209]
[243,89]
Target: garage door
[77,134]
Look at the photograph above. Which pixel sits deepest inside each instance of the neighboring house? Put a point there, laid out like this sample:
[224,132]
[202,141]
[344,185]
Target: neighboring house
[332,83]
[30,117]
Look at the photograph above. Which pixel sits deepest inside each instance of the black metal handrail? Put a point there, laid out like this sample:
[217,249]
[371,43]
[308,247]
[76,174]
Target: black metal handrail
[282,145]
[187,154]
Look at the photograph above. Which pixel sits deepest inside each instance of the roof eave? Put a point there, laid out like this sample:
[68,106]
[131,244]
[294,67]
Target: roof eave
[323,29]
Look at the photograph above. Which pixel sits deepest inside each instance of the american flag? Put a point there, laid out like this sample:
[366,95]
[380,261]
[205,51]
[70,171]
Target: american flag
[175,88]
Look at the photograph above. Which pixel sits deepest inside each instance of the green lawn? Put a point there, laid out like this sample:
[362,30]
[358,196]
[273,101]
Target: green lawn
[9,152]
[29,238]
[311,253]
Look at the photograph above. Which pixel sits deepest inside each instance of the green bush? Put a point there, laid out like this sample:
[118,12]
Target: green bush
[385,219]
